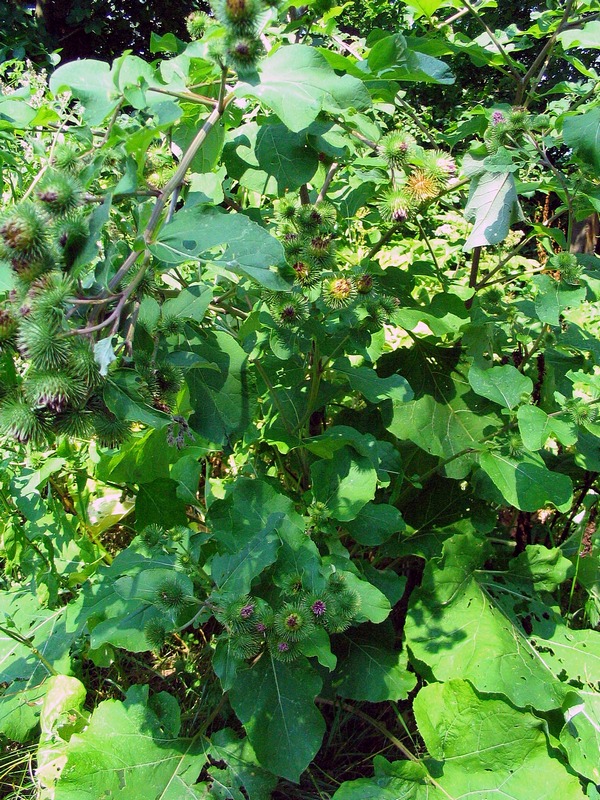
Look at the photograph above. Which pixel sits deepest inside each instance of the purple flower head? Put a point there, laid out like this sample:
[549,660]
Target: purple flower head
[399,215]
[293,621]
[247,611]
[261,627]
[283,647]
[318,608]
[446,164]
[498,117]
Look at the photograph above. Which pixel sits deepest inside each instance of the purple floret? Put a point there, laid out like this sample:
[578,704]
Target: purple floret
[318,608]
[247,611]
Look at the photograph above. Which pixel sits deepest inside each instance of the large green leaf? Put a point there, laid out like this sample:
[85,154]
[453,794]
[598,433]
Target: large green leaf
[125,751]
[545,567]
[285,156]
[297,83]
[251,506]
[20,710]
[345,484]
[157,503]
[426,7]
[117,601]
[458,628]
[504,385]
[446,416]
[208,156]
[249,526]
[588,36]
[92,83]
[15,113]
[526,482]
[480,748]
[375,389]
[370,667]
[536,427]
[582,133]
[581,734]
[122,394]
[191,303]
[222,400]
[444,314]
[375,523]
[270,159]
[230,242]
[275,703]
[391,58]
[233,572]
[492,207]
[553,297]
[575,655]
[487,746]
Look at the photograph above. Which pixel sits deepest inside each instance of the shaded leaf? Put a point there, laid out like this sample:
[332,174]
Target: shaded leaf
[242,772]
[553,297]
[234,572]
[157,502]
[526,482]
[582,133]
[275,703]
[446,416]
[232,242]
[122,394]
[222,399]
[375,389]
[371,668]
[375,524]
[345,484]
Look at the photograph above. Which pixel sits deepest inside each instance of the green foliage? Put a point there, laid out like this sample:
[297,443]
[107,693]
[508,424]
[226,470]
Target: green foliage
[298,409]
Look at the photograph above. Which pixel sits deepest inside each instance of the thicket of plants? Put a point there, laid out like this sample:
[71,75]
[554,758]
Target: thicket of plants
[298,411]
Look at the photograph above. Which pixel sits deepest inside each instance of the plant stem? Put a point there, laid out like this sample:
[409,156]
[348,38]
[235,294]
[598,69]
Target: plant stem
[542,60]
[44,169]
[273,395]
[424,130]
[191,97]
[184,165]
[115,316]
[327,182]
[508,60]
[385,238]
[475,258]
[316,370]
[425,238]
[16,637]
[534,347]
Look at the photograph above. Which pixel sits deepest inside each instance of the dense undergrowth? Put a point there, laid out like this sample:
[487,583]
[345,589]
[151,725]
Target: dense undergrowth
[298,411]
